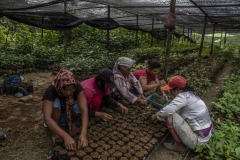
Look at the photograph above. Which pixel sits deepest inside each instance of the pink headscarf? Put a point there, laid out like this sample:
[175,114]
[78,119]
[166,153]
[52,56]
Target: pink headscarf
[64,78]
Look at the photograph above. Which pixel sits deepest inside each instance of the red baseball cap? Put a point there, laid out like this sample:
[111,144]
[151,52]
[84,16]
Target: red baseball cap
[175,82]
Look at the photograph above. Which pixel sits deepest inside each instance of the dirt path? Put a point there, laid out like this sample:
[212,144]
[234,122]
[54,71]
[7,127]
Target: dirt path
[213,92]
[211,95]
[26,137]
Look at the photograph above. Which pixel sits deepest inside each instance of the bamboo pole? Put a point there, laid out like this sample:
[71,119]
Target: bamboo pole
[42,30]
[108,34]
[173,39]
[183,33]
[225,37]
[169,39]
[214,25]
[221,38]
[191,36]
[136,38]
[202,39]
[165,40]
[65,32]
[152,31]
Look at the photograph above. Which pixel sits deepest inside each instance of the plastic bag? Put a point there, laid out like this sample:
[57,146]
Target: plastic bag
[170,21]
[13,79]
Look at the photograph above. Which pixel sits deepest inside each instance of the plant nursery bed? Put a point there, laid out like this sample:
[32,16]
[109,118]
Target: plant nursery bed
[131,136]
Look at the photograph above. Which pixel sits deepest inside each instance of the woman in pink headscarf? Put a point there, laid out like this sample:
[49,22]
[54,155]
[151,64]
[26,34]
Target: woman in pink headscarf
[61,99]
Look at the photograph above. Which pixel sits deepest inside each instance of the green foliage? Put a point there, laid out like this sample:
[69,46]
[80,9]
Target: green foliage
[12,61]
[89,61]
[85,66]
[229,103]
[225,141]
[47,56]
[200,72]
[142,54]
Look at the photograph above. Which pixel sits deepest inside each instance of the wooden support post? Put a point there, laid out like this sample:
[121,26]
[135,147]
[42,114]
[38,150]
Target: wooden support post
[169,39]
[165,40]
[225,37]
[203,34]
[108,34]
[173,38]
[221,38]
[188,36]
[191,35]
[211,53]
[65,32]
[136,39]
[42,30]
[183,34]
[152,31]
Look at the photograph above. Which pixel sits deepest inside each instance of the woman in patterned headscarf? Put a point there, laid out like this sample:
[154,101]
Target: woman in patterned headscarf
[125,80]
[63,97]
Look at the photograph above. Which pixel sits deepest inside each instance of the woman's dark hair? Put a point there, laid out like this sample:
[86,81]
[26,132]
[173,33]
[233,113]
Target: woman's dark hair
[100,84]
[189,89]
[153,63]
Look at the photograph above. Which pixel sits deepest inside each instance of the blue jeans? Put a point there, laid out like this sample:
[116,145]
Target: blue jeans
[63,118]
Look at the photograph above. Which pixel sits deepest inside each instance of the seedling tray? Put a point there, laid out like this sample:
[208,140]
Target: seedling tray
[157,101]
[130,136]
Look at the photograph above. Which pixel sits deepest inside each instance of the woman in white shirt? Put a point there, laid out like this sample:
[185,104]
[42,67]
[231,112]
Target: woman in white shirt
[186,117]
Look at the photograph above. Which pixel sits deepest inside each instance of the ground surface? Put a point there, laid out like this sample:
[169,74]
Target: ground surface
[26,137]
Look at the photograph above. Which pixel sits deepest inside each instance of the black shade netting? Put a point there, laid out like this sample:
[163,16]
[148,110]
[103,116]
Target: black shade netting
[177,35]
[131,27]
[159,34]
[47,20]
[103,23]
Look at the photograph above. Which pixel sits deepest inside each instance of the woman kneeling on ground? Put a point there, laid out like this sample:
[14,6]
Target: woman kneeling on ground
[148,77]
[97,93]
[186,117]
[61,100]
[128,86]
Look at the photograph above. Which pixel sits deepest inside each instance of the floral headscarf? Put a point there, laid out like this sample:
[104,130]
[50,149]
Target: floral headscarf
[124,62]
[64,78]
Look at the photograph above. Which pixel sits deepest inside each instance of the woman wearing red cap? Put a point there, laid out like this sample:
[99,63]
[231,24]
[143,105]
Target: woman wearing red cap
[97,91]
[186,117]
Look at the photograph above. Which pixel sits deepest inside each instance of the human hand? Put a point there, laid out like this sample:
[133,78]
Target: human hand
[124,109]
[162,83]
[157,81]
[154,117]
[70,143]
[164,95]
[142,96]
[82,142]
[104,116]
[142,101]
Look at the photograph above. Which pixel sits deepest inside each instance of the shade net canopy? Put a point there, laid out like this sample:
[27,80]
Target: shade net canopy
[145,15]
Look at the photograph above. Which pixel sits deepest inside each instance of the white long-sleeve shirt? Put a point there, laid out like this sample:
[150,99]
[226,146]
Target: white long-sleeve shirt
[191,108]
